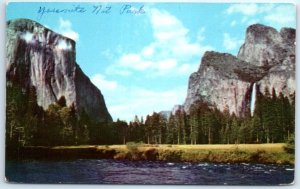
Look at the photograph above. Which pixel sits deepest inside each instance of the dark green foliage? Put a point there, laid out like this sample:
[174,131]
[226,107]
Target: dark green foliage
[27,124]
[290,145]
[274,118]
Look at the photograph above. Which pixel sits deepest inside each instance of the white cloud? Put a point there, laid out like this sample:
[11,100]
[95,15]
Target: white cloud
[172,36]
[130,59]
[167,28]
[114,70]
[65,28]
[129,105]
[103,84]
[252,21]
[283,15]
[148,51]
[249,9]
[266,8]
[134,61]
[171,53]
[170,48]
[244,8]
[188,68]
[275,15]
[231,43]
[167,64]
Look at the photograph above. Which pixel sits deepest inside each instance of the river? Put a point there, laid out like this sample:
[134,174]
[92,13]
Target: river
[146,172]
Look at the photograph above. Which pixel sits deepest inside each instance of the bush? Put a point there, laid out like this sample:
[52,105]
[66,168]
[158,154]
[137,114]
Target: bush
[258,156]
[133,151]
[170,155]
[132,146]
[150,154]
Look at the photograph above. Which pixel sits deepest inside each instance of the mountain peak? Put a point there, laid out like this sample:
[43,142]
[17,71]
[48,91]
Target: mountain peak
[38,57]
[265,46]
[266,58]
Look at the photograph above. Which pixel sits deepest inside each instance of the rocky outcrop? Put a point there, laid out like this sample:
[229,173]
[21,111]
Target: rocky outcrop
[39,57]
[223,81]
[267,58]
[264,46]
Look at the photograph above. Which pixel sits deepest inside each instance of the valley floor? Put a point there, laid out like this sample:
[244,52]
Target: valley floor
[225,153]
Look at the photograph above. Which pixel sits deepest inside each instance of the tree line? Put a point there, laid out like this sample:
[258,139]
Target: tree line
[27,124]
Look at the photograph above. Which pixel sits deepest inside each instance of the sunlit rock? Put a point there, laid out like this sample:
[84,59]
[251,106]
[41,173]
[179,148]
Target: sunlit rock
[39,57]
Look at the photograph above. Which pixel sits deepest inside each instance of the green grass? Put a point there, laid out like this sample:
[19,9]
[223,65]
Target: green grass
[225,153]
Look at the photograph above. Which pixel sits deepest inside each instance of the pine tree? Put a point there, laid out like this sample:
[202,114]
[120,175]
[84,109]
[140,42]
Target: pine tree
[234,137]
[171,130]
[194,124]
[67,130]
[225,131]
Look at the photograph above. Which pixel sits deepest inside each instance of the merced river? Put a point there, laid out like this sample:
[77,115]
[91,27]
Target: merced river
[103,171]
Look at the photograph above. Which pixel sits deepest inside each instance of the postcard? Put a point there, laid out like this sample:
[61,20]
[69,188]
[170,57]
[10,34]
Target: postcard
[150,93]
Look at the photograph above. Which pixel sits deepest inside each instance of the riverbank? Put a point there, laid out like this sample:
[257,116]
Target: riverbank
[242,153]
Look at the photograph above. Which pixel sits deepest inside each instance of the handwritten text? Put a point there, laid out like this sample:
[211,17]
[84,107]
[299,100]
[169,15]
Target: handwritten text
[126,9]
[75,9]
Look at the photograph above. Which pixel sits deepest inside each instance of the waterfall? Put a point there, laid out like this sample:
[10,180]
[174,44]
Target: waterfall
[253,98]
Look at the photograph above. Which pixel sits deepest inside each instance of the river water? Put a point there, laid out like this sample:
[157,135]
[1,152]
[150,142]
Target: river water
[146,172]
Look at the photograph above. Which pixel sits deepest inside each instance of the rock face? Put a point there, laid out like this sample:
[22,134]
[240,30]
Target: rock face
[267,58]
[264,46]
[39,57]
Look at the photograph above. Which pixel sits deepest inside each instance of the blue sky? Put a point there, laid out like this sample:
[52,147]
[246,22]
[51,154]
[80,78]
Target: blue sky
[141,62]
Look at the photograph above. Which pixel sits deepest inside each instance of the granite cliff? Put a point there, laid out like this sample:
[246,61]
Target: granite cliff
[38,57]
[267,58]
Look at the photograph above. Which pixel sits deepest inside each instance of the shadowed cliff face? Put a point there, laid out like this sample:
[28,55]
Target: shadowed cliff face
[267,58]
[39,57]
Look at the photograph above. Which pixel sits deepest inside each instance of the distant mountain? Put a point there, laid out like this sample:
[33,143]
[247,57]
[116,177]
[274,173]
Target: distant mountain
[267,58]
[38,57]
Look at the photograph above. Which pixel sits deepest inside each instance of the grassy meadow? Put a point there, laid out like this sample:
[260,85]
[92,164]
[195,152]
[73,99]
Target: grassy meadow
[218,153]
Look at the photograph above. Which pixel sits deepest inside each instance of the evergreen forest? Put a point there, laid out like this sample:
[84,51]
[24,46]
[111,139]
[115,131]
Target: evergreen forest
[27,124]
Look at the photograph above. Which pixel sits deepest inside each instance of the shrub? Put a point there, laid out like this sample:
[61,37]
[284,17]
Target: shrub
[170,155]
[150,154]
[257,156]
[132,146]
